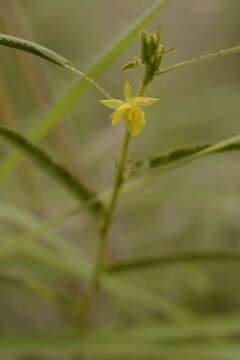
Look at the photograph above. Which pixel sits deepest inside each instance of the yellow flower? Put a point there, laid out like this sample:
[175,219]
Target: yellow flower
[133,115]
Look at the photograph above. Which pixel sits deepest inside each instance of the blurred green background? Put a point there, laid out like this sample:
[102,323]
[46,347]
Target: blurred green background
[192,208]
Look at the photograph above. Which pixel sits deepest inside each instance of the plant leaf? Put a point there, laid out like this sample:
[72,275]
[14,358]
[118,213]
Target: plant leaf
[179,154]
[31,285]
[54,169]
[174,259]
[33,48]
[194,154]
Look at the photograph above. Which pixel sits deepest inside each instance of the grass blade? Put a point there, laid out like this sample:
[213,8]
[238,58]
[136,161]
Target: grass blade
[54,169]
[47,54]
[65,260]
[174,259]
[33,286]
[33,48]
[118,344]
[72,96]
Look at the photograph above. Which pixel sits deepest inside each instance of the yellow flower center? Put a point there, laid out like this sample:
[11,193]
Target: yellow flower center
[134,120]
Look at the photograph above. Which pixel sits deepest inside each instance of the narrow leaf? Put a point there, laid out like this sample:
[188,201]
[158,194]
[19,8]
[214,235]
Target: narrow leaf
[179,154]
[174,259]
[173,164]
[33,48]
[47,54]
[54,169]
[34,286]
[108,346]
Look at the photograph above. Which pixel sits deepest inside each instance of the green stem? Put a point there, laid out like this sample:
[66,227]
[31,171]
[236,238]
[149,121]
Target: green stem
[143,85]
[101,255]
[99,267]
[89,80]
[200,59]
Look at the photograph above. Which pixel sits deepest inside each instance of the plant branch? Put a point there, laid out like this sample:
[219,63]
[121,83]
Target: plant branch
[200,59]
[88,79]
[104,229]
[99,266]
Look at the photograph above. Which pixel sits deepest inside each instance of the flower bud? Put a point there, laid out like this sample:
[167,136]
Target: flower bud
[131,64]
[145,42]
[150,46]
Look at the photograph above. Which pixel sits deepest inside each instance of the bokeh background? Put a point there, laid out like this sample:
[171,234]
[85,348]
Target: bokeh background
[195,207]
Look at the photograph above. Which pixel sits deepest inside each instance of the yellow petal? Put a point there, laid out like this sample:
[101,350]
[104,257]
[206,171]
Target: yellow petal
[127,91]
[144,101]
[117,115]
[135,120]
[124,106]
[112,103]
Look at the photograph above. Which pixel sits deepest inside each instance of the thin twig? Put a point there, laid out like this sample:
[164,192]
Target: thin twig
[89,80]
[200,59]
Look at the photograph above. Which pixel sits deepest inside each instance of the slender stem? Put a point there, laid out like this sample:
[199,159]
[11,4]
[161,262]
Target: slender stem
[99,267]
[143,85]
[89,80]
[118,182]
[101,255]
[200,59]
